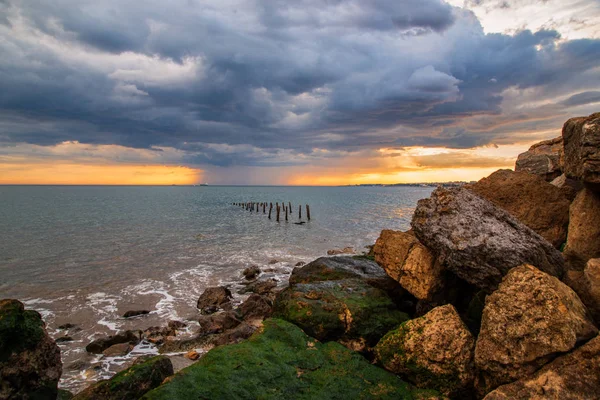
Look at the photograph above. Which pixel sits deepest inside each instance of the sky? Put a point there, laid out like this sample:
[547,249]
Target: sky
[310,92]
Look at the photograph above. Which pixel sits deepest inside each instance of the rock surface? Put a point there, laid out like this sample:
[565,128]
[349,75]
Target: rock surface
[255,307]
[117,350]
[478,241]
[348,310]
[582,148]
[99,345]
[262,287]
[218,323]
[135,313]
[251,272]
[586,284]
[536,203]
[544,159]
[280,362]
[410,263]
[529,320]
[213,298]
[575,376]
[131,383]
[433,351]
[583,240]
[345,250]
[30,364]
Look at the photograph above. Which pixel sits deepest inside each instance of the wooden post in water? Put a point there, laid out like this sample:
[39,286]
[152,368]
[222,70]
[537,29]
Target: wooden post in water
[278,210]
[290,207]
[264,206]
[299,211]
[270,209]
[308,212]
[286,214]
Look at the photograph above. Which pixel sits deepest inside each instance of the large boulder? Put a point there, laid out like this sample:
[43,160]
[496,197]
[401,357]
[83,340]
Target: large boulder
[536,203]
[583,239]
[433,351]
[528,321]
[214,298]
[349,310]
[575,376]
[586,284]
[479,241]
[280,361]
[544,159]
[336,268]
[30,364]
[410,263]
[582,149]
[131,383]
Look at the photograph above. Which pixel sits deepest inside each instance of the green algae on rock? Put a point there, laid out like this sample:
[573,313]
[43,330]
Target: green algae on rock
[131,383]
[282,362]
[349,310]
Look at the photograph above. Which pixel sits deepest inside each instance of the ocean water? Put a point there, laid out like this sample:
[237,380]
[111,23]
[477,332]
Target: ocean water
[84,255]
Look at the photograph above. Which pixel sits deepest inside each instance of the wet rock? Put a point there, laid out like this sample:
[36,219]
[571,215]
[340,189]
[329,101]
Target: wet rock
[251,272]
[273,261]
[281,361]
[410,263]
[255,307]
[30,364]
[64,395]
[529,320]
[260,287]
[192,355]
[434,351]
[158,334]
[131,383]
[347,310]
[345,250]
[232,336]
[64,339]
[544,159]
[583,240]
[213,298]
[67,326]
[117,350]
[478,241]
[336,268]
[99,345]
[175,325]
[299,264]
[135,313]
[217,323]
[531,200]
[78,365]
[572,376]
[582,149]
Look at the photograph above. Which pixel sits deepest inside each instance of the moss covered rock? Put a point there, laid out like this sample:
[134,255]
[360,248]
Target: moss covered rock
[282,362]
[131,383]
[349,311]
[30,365]
[434,351]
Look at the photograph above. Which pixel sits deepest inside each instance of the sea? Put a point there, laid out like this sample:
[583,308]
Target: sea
[84,255]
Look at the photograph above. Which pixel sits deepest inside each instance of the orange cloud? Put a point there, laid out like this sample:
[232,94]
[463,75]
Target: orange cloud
[65,173]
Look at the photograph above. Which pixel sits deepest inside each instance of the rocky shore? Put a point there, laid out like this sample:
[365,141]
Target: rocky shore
[493,294]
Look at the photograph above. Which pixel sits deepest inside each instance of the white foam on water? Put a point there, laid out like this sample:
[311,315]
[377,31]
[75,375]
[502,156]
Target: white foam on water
[105,306]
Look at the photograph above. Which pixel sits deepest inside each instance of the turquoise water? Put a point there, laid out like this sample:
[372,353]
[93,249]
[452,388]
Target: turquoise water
[85,255]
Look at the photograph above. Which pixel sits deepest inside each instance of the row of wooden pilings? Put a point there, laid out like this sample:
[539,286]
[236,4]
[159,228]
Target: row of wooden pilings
[279,209]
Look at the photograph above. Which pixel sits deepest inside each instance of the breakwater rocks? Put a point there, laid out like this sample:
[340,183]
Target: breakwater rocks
[493,294]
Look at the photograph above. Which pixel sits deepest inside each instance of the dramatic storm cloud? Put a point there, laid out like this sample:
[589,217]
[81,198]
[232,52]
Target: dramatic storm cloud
[232,87]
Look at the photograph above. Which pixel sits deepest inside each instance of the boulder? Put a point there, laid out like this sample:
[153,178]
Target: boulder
[348,310]
[536,203]
[433,351]
[280,361]
[255,307]
[528,321]
[131,383]
[99,345]
[582,149]
[586,284]
[479,241]
[64,339]
[569,186]
[213,298]
[251,272]
[217,323]
[117,350]
[175,325]
[408,262]
[192,355]
[544,159]
[335,268]
[583,240]
[30,364]
[262,287]
[135,313]
[158,334]
[575,376]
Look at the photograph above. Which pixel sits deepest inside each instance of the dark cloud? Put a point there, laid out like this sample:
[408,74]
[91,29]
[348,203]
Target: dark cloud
[582,98]
[265,83]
